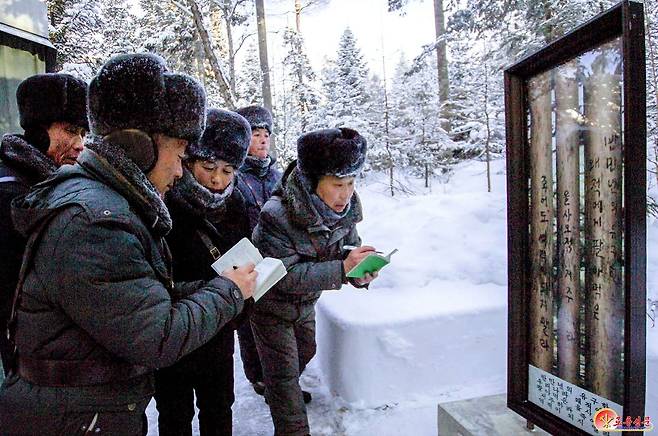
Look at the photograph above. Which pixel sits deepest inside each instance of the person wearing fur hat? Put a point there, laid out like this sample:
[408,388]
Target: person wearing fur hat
[258,174]
[97,310]
[256,181]
[198,207]
[311,215]
[53,113]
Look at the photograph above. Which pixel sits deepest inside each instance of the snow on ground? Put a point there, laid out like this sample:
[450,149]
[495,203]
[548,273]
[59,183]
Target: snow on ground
[452,260]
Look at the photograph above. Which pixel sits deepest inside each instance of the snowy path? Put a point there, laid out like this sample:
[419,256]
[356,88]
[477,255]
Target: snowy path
[328,415]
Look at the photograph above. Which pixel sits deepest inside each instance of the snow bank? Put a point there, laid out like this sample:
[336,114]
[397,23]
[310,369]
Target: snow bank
[434,323]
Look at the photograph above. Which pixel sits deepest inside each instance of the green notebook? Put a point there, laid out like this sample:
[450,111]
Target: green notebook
[372,263]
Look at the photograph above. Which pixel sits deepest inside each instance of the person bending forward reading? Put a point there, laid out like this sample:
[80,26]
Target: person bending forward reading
[310,217]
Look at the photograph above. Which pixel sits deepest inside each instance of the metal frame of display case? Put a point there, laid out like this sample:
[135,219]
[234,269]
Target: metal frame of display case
[625,21]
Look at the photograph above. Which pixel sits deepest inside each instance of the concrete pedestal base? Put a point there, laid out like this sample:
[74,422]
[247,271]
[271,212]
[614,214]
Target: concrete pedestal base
[486,416]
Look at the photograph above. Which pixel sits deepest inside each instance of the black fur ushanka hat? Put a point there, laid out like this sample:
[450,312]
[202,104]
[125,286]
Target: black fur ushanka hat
[135,91]
[258,117]
[331,152]
[46,98]
[226,137]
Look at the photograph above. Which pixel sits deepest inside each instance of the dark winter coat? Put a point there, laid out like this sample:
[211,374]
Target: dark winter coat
[256,188]
[191,257]
[207,372]
[21,166]
[100,289]
[292,230]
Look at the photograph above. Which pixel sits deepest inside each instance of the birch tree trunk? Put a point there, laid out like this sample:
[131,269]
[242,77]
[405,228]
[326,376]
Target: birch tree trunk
[603,223]
[298,16]
[442,64]
[568,222]
[222,80]
[231,54]
[264,63]
[487,121]
[541,229]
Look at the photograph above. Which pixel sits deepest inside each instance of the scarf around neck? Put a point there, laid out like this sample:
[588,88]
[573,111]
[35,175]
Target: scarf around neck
[258,166]
[199,200]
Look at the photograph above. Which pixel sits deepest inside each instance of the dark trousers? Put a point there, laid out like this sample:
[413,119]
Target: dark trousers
[208,372]
[248,352]
[285,339]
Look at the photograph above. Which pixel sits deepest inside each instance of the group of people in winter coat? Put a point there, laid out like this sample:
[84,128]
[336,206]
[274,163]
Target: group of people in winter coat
[108,237]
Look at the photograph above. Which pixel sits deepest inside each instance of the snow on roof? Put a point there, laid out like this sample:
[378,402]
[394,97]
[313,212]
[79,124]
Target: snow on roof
[29,16]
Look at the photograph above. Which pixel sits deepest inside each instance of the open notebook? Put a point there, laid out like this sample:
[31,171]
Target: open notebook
[270,270]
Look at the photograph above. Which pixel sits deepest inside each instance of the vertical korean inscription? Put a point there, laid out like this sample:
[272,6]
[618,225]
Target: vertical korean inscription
[541,228]
[568,120]
[603,226]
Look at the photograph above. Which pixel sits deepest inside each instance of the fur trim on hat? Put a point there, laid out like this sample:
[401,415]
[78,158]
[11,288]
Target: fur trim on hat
[29,162]
[46,98]
[331,152]
[258,117]
[135,91]
[226,137]
[185,112]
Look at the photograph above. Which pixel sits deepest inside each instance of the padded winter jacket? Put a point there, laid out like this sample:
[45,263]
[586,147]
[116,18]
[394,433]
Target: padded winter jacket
[256,189]
[12,243]
[21,166]
[292,230]
[99,290]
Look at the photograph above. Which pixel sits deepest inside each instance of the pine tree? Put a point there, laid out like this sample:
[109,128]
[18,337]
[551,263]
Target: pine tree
[524,26]
[87,33]
[304,96]
[344,81]
[421,143]
[377,115]
[168,30]
[249,79]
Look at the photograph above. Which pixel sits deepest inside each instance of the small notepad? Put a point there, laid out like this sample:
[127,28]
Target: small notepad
[372,263]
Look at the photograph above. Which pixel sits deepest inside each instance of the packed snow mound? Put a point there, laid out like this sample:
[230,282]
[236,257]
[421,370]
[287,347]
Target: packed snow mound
[434,323]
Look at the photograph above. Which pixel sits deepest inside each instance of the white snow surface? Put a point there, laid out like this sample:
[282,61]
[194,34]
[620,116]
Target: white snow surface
[452,264]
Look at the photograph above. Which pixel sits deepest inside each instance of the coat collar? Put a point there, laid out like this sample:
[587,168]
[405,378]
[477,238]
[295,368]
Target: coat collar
[30,163]
[109,163]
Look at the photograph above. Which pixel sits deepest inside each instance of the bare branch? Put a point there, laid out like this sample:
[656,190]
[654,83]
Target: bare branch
[242,41]
[182,8]
[223,82]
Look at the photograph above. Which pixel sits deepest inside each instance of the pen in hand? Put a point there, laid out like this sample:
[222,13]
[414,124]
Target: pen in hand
[354,247]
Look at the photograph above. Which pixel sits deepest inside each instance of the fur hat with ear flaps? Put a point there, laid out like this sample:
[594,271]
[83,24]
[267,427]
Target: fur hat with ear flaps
[46,98]
[331,152]
[226,137]
[258,117]
[135,92]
